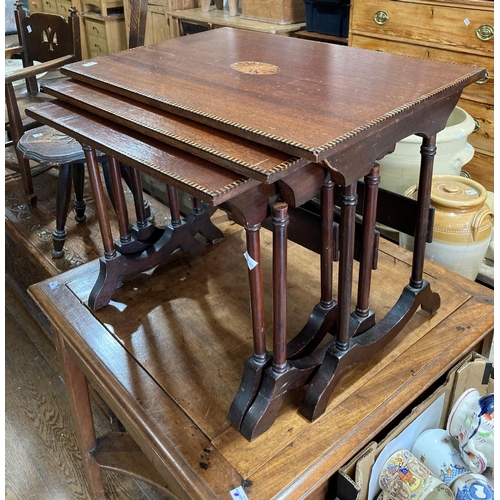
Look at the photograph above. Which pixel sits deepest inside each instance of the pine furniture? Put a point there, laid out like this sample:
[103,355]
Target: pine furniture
[166,356]
[454,31]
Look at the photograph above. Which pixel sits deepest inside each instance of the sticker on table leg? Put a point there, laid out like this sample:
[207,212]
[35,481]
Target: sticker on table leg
[251,263]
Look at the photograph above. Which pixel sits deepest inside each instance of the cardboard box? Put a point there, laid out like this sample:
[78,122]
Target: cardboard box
[274,11]
[353,480]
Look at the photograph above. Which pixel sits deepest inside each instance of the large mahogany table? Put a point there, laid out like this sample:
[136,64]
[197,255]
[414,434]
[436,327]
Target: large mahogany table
[263,124]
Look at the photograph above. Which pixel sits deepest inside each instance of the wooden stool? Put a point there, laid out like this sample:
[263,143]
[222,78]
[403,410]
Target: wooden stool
[47,145]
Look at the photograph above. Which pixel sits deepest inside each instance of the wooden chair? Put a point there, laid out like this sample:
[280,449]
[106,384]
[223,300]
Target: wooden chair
[53,41]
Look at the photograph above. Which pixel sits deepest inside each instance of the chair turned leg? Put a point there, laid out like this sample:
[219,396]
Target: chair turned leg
[62,207]
[78,183]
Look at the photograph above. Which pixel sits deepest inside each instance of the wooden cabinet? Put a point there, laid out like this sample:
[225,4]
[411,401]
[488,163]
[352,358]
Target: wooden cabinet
[35,6]
[105,34]
[159,26]
[104,7]
[50,6]
[458,31]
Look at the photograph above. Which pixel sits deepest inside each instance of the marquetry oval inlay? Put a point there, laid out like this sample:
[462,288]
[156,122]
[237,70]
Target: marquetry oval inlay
[255,68]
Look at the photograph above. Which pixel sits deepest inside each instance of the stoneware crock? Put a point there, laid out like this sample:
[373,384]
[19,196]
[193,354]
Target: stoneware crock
[462,224]
[400,169]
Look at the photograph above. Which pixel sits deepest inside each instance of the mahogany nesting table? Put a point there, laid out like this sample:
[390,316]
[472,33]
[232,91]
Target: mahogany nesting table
[261,125]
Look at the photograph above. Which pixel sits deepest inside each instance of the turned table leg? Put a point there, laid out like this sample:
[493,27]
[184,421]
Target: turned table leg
[79,401]
[427,151]
[324,315]
[256,293]
[79,182]
[280,223]
[102,214]
[363,317]
[329,250]
[119,201]
[254,366]
[62,207]
[144,228]
[348,200]
[173,202]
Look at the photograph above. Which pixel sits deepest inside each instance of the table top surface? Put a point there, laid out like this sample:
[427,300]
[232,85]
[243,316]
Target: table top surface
[235,153]
[192,174]
[299,96]
[174,362]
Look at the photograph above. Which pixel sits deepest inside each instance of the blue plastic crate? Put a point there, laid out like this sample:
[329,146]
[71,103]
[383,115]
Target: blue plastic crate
[329,17]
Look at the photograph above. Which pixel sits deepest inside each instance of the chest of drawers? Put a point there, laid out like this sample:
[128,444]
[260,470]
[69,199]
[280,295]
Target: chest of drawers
[159,24]
[105,34]
[454,31]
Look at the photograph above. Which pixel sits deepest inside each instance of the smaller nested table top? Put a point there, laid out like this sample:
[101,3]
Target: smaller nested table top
[235,153]
[306,98]
[194,175]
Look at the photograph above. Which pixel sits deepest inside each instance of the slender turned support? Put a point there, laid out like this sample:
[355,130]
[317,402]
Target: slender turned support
[79,400]
[327,244]
[78,182]
[280,223]
[348,201]
[67,171]
[62,207]
[173,202]
[256,293]
[428,151]
[323,317]
[120,203]
[102,213]
[140,211]
[372,181]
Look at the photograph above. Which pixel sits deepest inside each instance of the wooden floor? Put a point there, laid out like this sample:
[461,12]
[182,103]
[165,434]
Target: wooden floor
[42,460]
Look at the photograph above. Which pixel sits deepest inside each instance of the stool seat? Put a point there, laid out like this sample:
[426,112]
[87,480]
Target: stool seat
[47,145]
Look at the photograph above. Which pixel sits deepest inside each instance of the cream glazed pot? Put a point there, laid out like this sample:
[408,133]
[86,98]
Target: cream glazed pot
[400,169]
[462,224]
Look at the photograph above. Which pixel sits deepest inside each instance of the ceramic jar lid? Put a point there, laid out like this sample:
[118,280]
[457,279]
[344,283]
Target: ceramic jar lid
[462,215]
[456,192]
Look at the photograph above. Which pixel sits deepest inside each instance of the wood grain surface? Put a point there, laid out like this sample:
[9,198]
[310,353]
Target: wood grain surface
[169,365]
[248,158]
[42,460]
[308,104]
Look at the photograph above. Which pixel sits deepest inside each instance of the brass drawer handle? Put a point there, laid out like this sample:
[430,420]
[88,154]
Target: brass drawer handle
[477,125]
[484,79]
[381,17]
[485,32]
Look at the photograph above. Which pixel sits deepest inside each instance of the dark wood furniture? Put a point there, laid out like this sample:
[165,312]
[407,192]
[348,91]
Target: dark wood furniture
[61,46]
[340,109]
[166,356]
